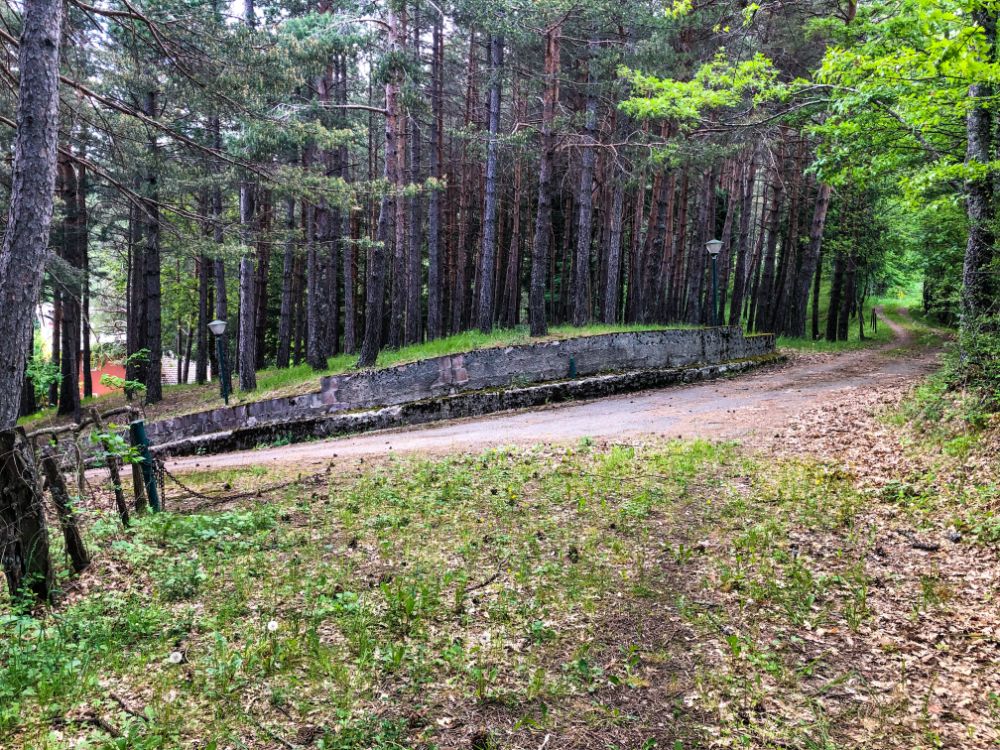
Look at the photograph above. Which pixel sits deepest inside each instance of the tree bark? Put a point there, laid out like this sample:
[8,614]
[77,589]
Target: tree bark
[847,298]
[414,276]
[435,278]
[397,306]
[543,220]
[287,279]
[378,255]
[22,254]
[582,308]
[836,296]
[73,540]
[979,286]
[488,257]
[71,293]
[24,538]
[248,302]
[765,292]
[612,285]
[83,236]
[748,183]
[151,262]
[810,264]
[204,354]
[512,281]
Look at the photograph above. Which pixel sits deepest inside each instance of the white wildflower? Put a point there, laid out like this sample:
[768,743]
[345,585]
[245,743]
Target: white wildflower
[176,657]
[272,626]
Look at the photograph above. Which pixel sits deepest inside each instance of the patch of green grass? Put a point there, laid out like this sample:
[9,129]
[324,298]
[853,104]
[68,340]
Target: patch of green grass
[854,341]
[483,579]
[685,586]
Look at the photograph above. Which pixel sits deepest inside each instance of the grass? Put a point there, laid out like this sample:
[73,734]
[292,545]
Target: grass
[854,340]
[676,594]
[273,382]
[637,594]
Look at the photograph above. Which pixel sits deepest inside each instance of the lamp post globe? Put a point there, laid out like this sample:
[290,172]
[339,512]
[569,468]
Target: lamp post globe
[714,247]
[218,328]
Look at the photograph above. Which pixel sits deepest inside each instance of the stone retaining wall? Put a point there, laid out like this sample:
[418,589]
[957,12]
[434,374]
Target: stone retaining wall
[498,367]
[468,404]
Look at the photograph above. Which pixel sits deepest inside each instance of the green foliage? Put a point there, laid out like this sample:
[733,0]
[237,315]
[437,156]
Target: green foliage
[117,383]
[966,392]
[43,374]
[719,84]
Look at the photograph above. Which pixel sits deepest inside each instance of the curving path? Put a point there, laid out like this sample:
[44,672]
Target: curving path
[759,403]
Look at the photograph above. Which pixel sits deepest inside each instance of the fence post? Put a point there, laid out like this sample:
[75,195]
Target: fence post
[75,547]
[112,460]
[137,433]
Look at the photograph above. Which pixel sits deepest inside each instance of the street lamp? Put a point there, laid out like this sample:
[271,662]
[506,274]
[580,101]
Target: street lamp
[218,327]
[714,247]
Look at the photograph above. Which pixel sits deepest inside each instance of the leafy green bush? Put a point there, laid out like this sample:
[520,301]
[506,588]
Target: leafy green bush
[967,389]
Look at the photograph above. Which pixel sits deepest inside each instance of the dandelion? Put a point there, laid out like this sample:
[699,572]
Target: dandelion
[272,626]
[176,657]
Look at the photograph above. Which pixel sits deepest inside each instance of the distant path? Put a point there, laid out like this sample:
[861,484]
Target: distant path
[759,403]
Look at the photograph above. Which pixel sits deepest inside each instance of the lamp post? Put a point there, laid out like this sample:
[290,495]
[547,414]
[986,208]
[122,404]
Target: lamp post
[218,327]
[713,247]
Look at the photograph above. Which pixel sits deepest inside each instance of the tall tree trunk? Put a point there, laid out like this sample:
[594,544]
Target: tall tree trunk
[435,278]
[248,304]
[488,257]
[836,297]
[22,254]
[512,281]
[24,536]
[313,288]
[731,185]
[84,238]
[543,220]
[350,283]
[979,285]
[378,255]
[414,277]
[582,308]
[204,356]
[847,298]
[72,292]
[613,280]
[151,262]
[765,292]
[28,404]
[817,283]
[695,310]
[221,296]
[287,279]
[747,185]
[460,281]
[264,213]
[135,332]
[397,307]
[785,284]
[810,264]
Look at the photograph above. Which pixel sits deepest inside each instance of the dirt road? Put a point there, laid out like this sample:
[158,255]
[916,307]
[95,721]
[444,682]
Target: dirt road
[757,404]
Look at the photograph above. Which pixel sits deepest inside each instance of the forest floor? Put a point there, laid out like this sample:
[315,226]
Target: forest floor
[820,577]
